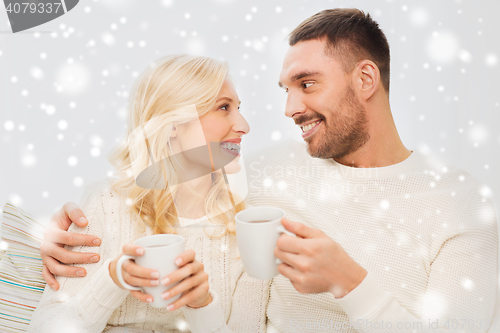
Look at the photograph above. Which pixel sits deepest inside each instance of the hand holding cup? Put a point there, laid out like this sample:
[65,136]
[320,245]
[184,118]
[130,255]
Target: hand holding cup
[184,281]
[257,233]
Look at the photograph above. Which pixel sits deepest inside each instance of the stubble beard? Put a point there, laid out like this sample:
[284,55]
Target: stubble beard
[345,131]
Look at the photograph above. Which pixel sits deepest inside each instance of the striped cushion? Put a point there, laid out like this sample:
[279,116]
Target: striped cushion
[21,282]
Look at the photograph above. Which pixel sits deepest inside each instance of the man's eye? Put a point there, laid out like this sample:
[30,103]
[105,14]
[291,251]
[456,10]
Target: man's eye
[307,85]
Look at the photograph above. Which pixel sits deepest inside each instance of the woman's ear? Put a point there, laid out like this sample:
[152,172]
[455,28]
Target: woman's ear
[367,78]
[174,131]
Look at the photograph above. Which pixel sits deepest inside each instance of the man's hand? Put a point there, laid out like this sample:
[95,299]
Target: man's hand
[315,263]
[56,236]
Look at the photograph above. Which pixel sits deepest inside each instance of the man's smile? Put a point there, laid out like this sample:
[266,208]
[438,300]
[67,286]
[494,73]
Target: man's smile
[310,127]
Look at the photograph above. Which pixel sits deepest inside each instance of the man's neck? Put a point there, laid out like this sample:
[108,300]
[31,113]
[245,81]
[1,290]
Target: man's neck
[383,148]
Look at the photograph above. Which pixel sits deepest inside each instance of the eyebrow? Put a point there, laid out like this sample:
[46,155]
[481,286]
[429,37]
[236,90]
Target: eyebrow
[299,76]
[228,99]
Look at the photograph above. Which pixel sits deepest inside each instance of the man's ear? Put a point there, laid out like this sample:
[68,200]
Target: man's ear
[367,78]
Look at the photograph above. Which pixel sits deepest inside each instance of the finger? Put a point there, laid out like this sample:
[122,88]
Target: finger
[56,268]
[288,271]
[75,214]
[290,244]
[142,296]
[291,259]
[49,278]
[299,229]
[184,258]
[186,285]
[133,269]
[56,235]
[139,282]
[189,297]
[69,257]
[133,250]
[183,272]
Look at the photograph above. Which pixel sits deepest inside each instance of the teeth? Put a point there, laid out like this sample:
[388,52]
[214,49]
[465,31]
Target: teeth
[308,127]
[231,146]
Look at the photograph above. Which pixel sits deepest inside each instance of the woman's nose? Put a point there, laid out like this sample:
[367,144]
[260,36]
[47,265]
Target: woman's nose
[240,124]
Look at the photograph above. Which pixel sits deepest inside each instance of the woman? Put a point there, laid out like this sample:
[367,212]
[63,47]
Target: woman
[184,130]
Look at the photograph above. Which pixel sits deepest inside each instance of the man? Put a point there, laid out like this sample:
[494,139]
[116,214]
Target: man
[388,239]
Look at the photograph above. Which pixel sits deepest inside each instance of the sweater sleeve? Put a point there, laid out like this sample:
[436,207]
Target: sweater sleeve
[462,286]
[85,303]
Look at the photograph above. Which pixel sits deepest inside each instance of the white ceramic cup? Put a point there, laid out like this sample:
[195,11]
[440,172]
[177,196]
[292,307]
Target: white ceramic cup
[160,251]
[257,240]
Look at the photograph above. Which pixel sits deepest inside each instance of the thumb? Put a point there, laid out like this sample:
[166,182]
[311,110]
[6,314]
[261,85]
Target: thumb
[299,229]
[75,214]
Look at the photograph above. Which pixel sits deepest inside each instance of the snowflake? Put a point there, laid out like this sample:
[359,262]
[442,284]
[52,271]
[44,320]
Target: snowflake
[62,124]
[108,39]
[78,181]
[95,152]
[491,59]
[467,283]
[16,199]
[276,135]
[442,47]
[9,125]
[385,204]
[268,182]
[419,17]
[72,161]
[28,160]
[465,56]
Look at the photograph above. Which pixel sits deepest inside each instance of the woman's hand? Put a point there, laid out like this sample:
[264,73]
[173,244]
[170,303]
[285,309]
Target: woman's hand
[193,285]
[134,274]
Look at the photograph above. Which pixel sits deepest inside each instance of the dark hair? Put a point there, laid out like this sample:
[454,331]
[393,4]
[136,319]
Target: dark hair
[351,37]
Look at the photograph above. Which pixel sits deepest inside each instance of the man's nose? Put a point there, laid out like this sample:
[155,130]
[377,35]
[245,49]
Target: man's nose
[294,105]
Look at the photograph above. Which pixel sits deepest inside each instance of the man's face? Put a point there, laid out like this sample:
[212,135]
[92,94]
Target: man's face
[322,102]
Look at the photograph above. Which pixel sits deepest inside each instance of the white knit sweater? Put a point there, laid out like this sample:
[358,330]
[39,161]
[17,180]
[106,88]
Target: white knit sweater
[425,231]
[95,303]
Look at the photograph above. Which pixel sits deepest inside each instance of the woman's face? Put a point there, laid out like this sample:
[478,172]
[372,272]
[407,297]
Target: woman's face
[221,129]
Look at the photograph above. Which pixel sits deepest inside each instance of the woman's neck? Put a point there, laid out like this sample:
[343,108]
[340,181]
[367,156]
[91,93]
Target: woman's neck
[189,198]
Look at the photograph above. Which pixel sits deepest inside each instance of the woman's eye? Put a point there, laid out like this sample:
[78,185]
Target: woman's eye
[224,107]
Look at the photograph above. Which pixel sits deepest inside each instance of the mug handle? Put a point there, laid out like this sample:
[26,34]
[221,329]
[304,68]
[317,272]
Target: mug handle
[281,229]
[119,272]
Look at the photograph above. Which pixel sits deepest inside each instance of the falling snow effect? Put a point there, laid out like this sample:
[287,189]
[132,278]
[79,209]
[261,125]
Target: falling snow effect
[72,78]
[442,47]
[419,17]
[66,100]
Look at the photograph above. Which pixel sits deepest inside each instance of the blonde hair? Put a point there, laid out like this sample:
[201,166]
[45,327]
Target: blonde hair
[166,89]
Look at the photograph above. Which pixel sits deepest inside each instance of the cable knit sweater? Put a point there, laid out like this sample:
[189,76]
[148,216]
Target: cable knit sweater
[425,231]
[95,303]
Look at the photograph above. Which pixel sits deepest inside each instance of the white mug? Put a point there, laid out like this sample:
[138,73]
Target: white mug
[257,240]
[160,251]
